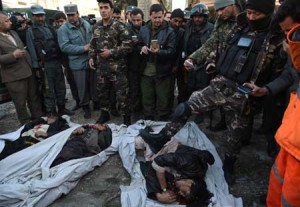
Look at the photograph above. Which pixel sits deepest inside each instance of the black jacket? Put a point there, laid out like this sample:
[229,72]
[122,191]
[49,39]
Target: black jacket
[167,42]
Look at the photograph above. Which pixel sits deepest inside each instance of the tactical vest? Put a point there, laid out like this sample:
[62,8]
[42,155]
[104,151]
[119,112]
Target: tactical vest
[238,61]
[46,49]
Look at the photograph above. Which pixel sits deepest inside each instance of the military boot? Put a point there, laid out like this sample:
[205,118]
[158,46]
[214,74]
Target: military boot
[104,117]
[63,111]
[221,125]
[86,112]
[228,167]
[127,120]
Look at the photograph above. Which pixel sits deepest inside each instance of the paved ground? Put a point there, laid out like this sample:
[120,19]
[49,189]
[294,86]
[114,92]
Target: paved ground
[101,187]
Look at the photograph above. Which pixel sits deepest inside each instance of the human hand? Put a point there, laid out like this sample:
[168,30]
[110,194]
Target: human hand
[188,64]
[256,90]
[40,134]
[286,46]
[19,53]
[144,50]
[91,64]
[79,130]
[86,47]
[105,53]
[154,49]
[101,127]
[166,197]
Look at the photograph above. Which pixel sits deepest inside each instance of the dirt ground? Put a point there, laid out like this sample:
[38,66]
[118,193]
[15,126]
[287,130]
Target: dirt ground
[101,187]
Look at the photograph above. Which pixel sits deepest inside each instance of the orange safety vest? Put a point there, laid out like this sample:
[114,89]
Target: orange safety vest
[294,47]
[288,134]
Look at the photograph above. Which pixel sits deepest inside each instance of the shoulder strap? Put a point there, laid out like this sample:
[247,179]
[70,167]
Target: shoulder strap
[261,58]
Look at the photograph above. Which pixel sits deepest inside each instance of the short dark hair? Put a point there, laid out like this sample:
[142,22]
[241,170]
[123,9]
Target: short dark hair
[167,13]
[106,2]
[117,10]
[156,8]
[59,15]
[289,8]
[137,11]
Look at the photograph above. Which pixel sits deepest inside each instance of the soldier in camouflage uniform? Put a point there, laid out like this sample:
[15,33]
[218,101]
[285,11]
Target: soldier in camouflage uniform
[252,55]
[227,11]
[109,47]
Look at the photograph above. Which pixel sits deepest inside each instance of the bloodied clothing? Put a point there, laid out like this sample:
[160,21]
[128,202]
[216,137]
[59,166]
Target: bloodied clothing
[111,71]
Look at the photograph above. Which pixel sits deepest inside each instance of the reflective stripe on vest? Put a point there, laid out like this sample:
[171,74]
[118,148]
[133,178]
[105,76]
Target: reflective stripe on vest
[275,169]
[284,202]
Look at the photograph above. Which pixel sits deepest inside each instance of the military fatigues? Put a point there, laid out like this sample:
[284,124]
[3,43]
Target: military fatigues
[111,72]
[217,41]
[46,60]
[263,63]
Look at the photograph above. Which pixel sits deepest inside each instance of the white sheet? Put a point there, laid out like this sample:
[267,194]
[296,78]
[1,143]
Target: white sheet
[190,134]
[27,180]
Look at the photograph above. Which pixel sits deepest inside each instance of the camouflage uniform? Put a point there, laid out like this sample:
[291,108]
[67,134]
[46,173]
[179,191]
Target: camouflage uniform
[111,72]
[222,92]
[216,41]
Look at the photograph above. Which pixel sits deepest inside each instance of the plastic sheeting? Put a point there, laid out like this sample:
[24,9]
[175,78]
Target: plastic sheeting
[26,178]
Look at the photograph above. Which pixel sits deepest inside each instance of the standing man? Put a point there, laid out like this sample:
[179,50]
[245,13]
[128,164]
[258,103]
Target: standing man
[46,62]
[73,38]
[197,31]
[135,62]
[59,19]
[226,11]
[158,50]
[176,22]
[16,72]
[108,56]
[252,55]
[284,178]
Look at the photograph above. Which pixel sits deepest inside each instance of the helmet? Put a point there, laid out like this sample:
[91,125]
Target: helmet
[187,14]
[199,9]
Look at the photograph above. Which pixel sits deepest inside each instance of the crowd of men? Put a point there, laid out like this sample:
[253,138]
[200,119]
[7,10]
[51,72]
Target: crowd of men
[238,64]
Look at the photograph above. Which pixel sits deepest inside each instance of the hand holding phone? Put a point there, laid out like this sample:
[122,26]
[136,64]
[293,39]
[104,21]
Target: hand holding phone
[244,89]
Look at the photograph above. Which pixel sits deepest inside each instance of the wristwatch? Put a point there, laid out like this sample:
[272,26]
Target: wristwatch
[164,190]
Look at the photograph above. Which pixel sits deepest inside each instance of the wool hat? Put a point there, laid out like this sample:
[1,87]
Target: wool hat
[177,13]
[37,9]
[223,3]
[264,6]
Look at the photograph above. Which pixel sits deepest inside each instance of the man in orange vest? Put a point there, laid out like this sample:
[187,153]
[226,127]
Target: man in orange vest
[285,174]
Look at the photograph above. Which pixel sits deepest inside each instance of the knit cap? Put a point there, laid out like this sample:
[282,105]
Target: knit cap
[264,6]
[177,13]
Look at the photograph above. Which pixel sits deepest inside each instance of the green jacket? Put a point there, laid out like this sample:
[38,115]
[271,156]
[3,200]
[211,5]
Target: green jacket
[216,42]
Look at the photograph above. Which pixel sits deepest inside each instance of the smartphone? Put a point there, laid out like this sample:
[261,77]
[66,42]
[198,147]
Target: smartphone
[154,44]
[244,89]
[134,38]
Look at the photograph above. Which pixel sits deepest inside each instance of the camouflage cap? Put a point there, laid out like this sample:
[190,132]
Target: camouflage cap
[71,9]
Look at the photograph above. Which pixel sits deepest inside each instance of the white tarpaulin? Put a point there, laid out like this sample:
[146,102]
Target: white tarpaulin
[26,178]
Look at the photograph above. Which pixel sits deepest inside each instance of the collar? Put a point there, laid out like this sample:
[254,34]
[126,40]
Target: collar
[109,23]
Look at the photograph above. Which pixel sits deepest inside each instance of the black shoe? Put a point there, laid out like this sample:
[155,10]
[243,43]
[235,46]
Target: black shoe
[228,166]
[86,112]
[182,113]
[220,126]
[127,120]
[149,118]
[96,106]
[114,112]
[75,107]
[63,111]
[104,117]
